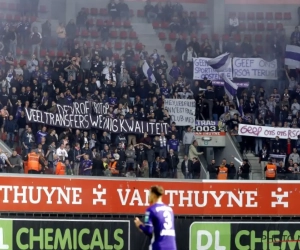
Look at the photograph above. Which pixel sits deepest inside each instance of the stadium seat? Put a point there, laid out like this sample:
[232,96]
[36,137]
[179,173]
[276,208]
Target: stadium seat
[278,16]
[117,24]
[242,16]
[51,53]
[26,52]
[103,12]
[84,33]
[19,52]
[99,22]
[43,53]
[43,9]
[259,49]
[127,24]
[17,18]
[128,44]
[268,38]
[97,43]
[12,7]
[59,54]
[90,22]
[32,19]
[248,36]
[133,35]
[225,37]
[258,38]
[19,150]
[250,16]
[113,34]
[260,26]
[269,16]
[215,37]
[94,34]
[118,46]
[116,56]
[287,16]
[279,26]
[193,35]
[172,36]
[108,44]
[174,58]
[164,25]
[270,26]
[123,34]
[138,46]
[204,36]
[202,15]
[136,57]
[156,25]
[94,11]
[109,23]
[237,38]
[184,36]
[259,16]
[141,13]
[22,62]
[251,26]
[9,17]
[242,26]
[168,47]
[162,36]
[131,12]
[86,10]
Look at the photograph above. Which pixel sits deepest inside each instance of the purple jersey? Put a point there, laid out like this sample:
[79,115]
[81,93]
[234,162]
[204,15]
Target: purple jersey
[159,225]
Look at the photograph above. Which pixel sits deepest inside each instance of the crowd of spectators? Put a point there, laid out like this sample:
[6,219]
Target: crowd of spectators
[94,74]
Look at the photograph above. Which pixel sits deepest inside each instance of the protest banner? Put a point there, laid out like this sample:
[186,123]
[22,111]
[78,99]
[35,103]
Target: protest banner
[202,69]
[182,111]
[62,194]
[254,68]
[268,132]
[79,116]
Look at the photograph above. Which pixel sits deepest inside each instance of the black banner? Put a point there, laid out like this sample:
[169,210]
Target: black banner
[87,115]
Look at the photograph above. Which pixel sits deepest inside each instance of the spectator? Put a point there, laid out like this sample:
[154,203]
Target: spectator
[294,156]
[81,18]
[173,162]
[188,55]
[193,152]
[113,9]
[196,168]
[222,172]
[150,11]
[233,24]
[123,9]
[188,139]
[295,35]
[270,170]
[15,163]
[61,36]
[186,168]
[36,40]
[144,169]
[71,30]
[246,48]
[163,168]
[10,129]
[213,170]
[46,34]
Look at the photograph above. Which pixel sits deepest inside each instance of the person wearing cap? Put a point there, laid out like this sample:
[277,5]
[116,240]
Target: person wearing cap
[270,170]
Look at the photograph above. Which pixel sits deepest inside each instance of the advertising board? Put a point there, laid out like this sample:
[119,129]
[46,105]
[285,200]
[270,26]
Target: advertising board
[23,193]
[64,234]
[243,235]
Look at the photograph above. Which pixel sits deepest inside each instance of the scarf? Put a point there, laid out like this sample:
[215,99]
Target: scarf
[163,142]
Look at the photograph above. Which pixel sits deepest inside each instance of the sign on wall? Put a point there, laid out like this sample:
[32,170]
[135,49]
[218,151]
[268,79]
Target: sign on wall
[182,111]
[268,132]
[243,235]
[64,234]
[254,68]
[121,196]
[202,69]
[208,128]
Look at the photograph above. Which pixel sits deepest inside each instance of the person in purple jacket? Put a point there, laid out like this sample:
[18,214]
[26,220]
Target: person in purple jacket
[159,222]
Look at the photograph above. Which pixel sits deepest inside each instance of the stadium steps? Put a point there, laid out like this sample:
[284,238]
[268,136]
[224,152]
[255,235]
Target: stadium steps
[256,171]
